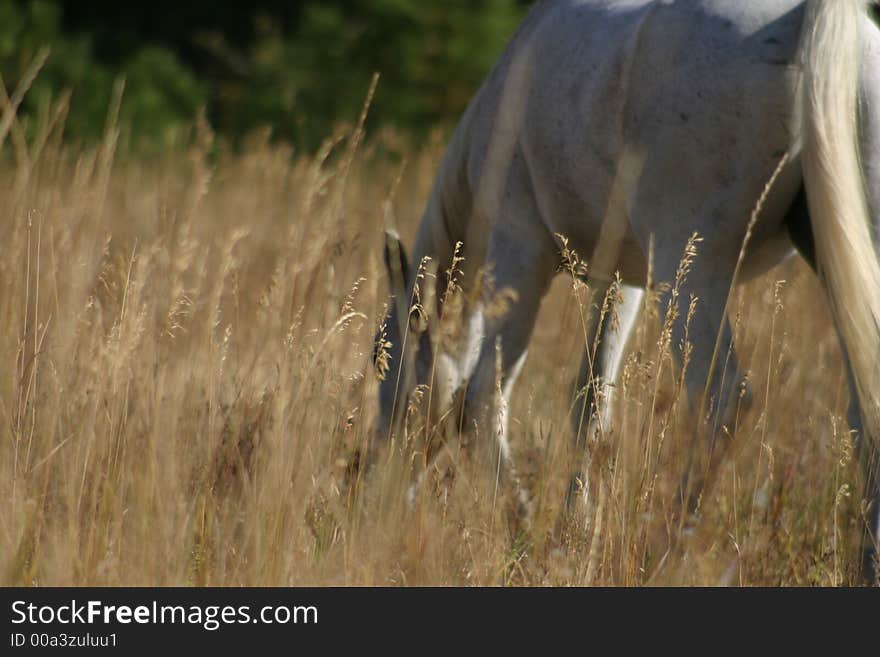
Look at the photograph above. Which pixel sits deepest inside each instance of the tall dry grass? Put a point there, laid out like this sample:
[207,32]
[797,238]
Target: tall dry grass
[187,378]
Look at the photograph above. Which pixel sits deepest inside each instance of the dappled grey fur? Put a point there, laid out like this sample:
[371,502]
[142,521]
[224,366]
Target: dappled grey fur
[627,126]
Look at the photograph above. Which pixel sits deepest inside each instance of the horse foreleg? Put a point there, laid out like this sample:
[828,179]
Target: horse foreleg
[521,260]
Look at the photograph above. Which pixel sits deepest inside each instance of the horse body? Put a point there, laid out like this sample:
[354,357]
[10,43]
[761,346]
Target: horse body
[673,83]
[627,126]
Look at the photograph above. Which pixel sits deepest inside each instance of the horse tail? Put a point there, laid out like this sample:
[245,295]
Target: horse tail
[831,51]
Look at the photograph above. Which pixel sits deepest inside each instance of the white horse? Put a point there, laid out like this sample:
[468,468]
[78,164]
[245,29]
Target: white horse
[627,126]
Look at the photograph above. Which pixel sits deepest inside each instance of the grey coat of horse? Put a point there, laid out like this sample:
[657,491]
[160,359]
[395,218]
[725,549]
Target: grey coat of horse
[627,126]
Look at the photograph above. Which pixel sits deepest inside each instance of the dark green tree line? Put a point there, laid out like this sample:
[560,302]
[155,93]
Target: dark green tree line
[298,67]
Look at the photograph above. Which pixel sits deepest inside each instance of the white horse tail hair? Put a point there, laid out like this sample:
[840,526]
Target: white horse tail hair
[831,52]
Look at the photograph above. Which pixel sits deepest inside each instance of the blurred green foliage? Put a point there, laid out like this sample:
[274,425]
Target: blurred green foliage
[298,67]
[161,94]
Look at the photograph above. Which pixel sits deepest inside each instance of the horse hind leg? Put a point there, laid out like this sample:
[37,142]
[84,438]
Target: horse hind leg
[701,342]
[800,231]
[713,377]
[868,452]
[601,366]
[871,535]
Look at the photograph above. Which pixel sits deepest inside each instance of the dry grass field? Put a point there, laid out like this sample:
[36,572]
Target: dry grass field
[186,376]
